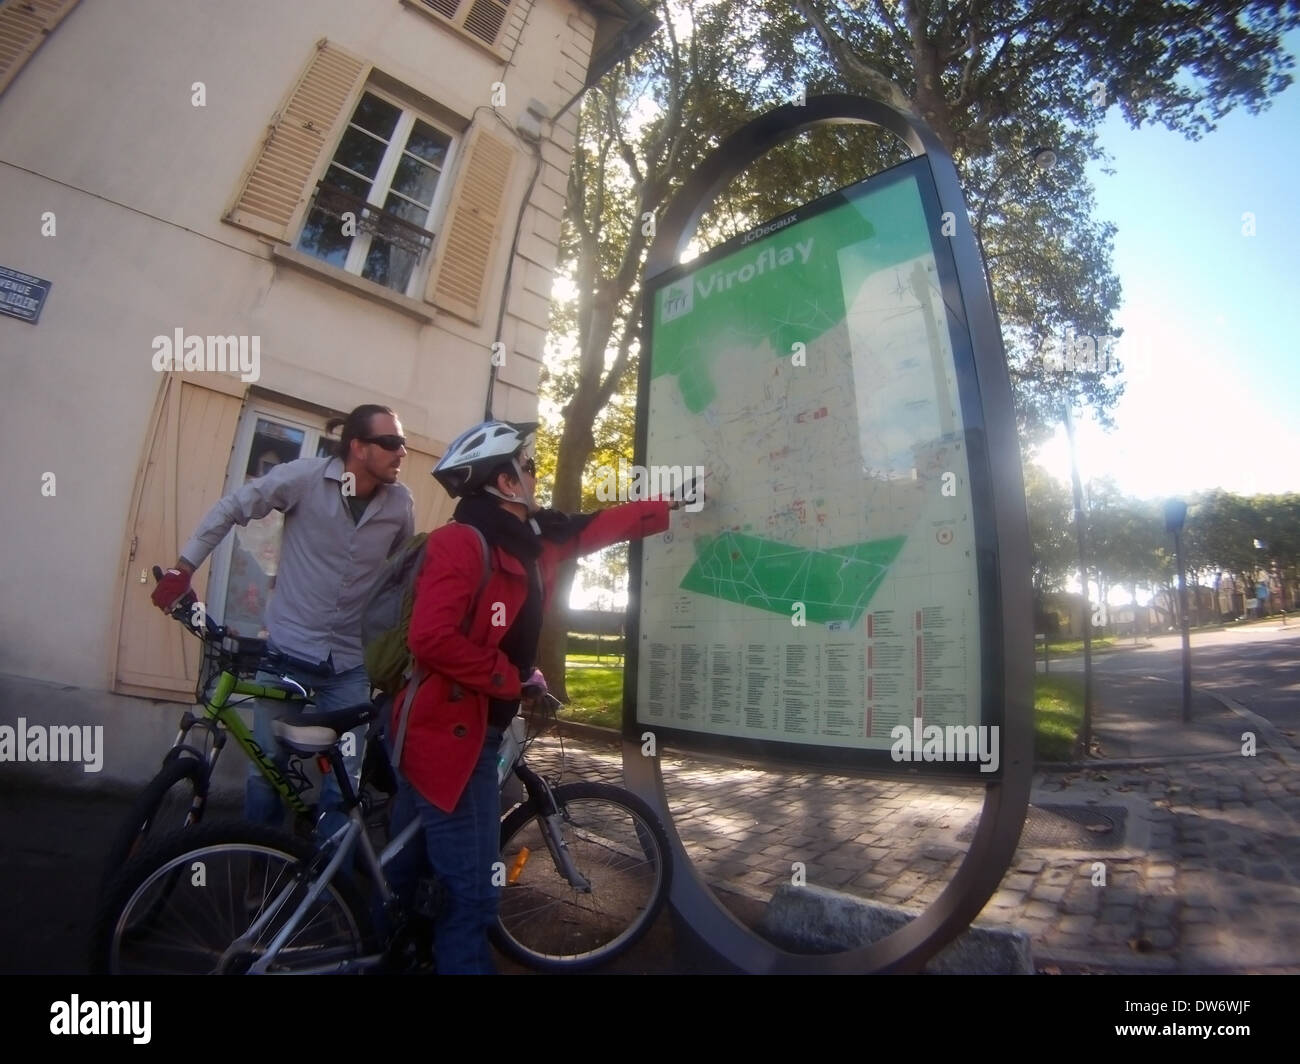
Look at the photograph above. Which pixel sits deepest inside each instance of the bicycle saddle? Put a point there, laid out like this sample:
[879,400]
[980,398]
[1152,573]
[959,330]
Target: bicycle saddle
[314,733]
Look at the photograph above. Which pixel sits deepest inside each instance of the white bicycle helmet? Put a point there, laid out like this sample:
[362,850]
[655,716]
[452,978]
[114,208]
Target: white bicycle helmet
[473,456]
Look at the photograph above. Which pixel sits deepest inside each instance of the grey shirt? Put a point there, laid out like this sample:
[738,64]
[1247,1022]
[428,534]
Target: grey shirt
[328,563]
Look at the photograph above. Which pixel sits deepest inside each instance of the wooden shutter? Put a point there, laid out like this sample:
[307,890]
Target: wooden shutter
[24,25]
[485,19]
[184,473]
[446,8]
[482,19]
[472,229]
[282,179]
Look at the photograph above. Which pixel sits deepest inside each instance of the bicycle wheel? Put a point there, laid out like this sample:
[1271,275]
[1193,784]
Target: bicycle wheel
[201,892]
[175,798]
[617,844]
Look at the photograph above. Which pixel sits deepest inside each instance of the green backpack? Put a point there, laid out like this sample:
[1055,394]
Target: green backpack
[386,615]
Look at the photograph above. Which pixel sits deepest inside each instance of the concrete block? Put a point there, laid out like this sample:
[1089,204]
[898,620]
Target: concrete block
[826,921]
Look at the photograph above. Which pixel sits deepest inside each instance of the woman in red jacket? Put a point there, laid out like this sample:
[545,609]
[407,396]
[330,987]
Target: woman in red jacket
[475,645]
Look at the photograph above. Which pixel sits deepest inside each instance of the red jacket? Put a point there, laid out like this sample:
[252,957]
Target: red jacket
[450,711]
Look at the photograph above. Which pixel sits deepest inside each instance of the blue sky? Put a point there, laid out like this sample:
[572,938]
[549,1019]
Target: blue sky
[1209,314]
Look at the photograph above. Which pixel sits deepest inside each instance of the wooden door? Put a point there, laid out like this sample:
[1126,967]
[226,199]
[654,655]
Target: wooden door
[183,474]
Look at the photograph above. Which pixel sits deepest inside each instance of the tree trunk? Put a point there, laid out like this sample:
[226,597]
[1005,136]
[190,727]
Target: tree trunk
[576,443]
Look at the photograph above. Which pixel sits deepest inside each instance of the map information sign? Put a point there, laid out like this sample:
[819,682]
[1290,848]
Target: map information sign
[819,369]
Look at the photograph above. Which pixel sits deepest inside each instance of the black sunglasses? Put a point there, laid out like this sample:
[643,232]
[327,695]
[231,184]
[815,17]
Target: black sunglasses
[529,467]
[388,443]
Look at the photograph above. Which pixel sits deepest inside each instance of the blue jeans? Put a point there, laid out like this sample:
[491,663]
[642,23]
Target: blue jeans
[462,846]
[332,690]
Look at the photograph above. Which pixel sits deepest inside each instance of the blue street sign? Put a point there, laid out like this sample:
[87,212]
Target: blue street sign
[22,295]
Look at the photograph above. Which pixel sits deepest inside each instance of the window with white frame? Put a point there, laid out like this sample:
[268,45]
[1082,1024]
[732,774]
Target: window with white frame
[375,210]
[244,565]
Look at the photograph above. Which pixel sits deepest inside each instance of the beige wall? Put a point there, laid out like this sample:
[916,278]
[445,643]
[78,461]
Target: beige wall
[99,128]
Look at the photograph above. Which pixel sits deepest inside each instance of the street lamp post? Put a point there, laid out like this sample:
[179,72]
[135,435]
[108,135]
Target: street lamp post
[1086,730]
[1175,517]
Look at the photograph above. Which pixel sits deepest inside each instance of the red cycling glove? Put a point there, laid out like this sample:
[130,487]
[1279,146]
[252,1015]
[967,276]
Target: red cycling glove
[174,584]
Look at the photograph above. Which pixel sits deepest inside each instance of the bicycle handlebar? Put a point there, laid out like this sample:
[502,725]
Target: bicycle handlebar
[183,611]
[234,652]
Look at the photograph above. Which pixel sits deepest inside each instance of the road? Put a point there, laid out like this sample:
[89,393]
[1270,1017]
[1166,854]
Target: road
[1257,666]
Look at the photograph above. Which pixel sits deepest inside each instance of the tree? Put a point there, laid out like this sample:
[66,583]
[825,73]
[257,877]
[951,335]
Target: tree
[1278,519]
[1050,532]
[1220,538]
[639,134]
[995,79]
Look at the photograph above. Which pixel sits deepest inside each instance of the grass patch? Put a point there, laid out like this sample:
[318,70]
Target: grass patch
[595,694]
[596,697]
[1058,715]
[1075,646]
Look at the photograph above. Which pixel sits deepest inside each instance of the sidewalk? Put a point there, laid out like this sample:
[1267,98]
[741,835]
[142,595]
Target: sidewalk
[1200,845]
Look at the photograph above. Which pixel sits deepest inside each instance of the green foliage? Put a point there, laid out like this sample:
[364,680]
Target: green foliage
[1127,545]
[598,645]
[1058,716]
[595,696]
[1051,535]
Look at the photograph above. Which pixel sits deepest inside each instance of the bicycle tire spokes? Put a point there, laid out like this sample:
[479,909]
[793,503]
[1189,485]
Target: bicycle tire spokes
[621,877]
[218,909]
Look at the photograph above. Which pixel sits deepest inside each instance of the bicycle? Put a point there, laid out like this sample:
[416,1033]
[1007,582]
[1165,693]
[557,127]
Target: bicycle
[246,899]
[177,795]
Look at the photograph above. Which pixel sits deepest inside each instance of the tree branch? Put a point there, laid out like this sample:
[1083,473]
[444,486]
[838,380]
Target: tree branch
[630,332]
[972,60]
[851,67]
[1020,24]
[625,149]
[883,12]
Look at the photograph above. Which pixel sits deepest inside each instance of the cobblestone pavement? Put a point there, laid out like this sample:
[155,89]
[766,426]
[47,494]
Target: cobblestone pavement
[1206,877]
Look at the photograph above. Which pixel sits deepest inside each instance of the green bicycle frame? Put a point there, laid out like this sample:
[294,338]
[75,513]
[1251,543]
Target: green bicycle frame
[219,709]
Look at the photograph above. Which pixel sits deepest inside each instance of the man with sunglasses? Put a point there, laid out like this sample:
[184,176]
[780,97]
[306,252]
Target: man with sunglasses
[343,516]
[474,644]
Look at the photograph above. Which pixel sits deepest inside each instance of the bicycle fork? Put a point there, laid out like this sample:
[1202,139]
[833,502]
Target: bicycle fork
[189,719]
[551,820]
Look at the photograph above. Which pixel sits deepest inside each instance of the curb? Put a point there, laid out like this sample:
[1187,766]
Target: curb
[1275,741]
[1096,652]
[1131,762]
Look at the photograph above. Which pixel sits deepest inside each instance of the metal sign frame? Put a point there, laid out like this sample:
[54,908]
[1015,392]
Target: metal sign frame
[1004,557]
